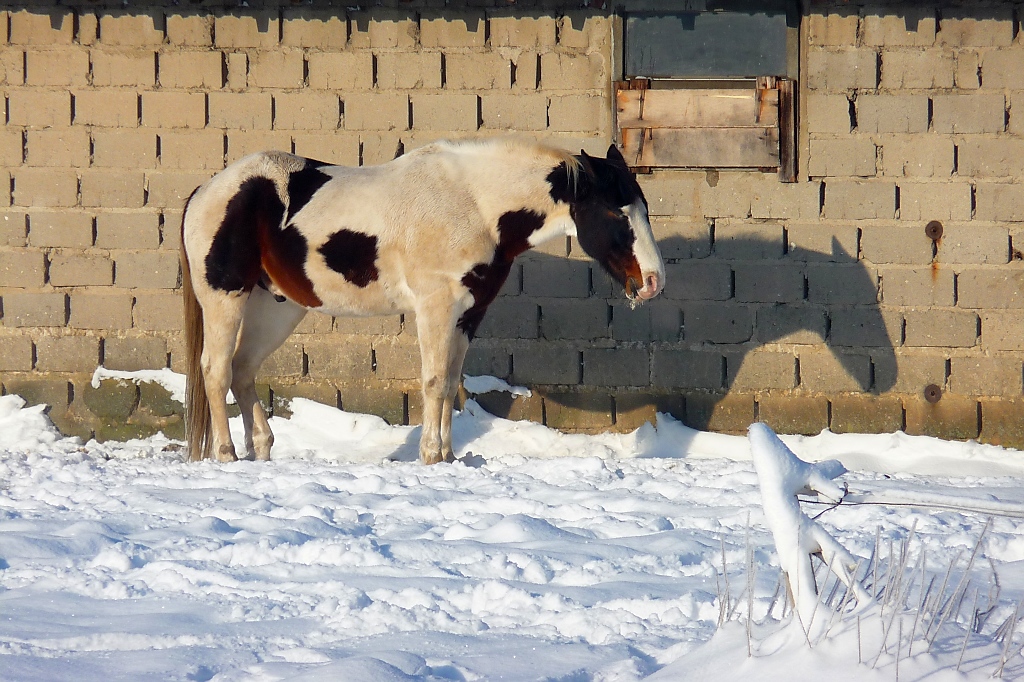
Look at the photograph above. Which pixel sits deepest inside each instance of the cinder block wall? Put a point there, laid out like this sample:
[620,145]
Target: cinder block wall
[821,303]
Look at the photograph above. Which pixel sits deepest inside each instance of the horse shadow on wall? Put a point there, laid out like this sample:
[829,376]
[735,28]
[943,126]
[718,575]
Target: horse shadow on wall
[739,315]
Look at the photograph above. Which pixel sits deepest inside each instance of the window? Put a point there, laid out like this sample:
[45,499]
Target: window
[712,87]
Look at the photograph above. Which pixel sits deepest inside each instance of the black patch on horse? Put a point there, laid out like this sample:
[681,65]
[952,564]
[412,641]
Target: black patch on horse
[303,184]
[563,188]
[485,280]
[354,255]
[233,262]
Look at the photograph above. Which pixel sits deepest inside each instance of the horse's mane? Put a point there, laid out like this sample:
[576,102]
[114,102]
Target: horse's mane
[516,146]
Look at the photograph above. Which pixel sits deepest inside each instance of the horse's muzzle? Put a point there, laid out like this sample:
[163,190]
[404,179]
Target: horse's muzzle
[651,287]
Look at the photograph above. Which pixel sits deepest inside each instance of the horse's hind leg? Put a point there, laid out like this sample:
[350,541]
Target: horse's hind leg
[266,325]
[460,344]
[222,316]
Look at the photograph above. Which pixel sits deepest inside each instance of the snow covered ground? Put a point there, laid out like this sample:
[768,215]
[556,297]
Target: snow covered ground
[536,556]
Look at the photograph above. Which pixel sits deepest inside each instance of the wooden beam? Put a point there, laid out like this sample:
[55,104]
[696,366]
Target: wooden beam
[701,147]
[711,108]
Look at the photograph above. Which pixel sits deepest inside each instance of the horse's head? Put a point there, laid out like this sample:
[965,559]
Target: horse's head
[612,227]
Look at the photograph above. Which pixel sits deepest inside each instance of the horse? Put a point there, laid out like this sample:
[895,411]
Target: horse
[433,232]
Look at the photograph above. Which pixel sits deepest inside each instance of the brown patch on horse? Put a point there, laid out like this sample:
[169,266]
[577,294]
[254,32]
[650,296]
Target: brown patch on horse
[354,255]
[284,260]
[485,280]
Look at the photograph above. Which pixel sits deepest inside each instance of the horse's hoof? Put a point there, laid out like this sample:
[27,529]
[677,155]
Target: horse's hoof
[226,454]
[262,456]
[431,458]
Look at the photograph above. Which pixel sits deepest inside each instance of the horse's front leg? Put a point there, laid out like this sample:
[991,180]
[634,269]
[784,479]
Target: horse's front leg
[438,346]
[458,356]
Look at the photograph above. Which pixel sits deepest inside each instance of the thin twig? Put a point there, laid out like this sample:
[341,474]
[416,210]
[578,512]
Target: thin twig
[967,635]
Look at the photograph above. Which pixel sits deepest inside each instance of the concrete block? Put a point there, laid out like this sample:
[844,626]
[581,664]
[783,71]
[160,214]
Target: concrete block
[440,29]
[998,202]
[241,111]
[407,71]
[833,27]
[974,244]
[917,69]
[968,70]
[935,201]
[192,150]
[147,269]
[760,370]
[769,283]
[100,311]
[578,411]
[795,324]
[584,29]
[562,278]
[61,67]
[509,28]
[866,414]
[671,192]
[838,158]
[903,26]
[784,200]
[616,367]
[828,114]
[192,70]
[717,323]
[286,361]
[941,328]
[859,327]
[731,413]
[306,111]
[477,71]
[546,364]
[973,113]
[173,109]
[57,147]
[725,194]
[990,157]
[585,320]
[34,310]
[990,376]
[130,28]
[158,312]
[377,148]
[514,112]
[388,404]
[376,111]
[511,318]
[892,113]
[633,409]
[1002,330]
[990,288]
[844,69]
[67,353]
[189,29]
[171,189]
[1003,68]
[341,148]
[480,360]
[952,418]
[741,240]
[917,156]
[682,238]
[117,68]
[15,353]
[252,29]
[709,280]
[133,353]
[1002,423]
[320,29]
[22,268]
[823,243]
[807,415]
[277,68]
[929,286]
[35,27]
[687,369]
[860,200]
[107,108]
[563,71]
[12,147]
[39,108]
[396,360]
[445,112]
[13,228]
[825,370]
[570,113]
[113,188]
[250,141]
[976,26]
[69,269]
[337,359]
[45,187]
[372,326]
[340,71]
[124,149]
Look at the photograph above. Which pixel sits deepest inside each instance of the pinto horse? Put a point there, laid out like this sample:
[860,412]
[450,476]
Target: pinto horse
[433,232]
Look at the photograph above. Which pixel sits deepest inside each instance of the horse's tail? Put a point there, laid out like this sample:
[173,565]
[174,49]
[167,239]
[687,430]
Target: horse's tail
[198,427]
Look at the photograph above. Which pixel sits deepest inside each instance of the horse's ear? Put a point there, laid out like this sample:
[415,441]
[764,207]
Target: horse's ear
[588,164]
[615,156]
